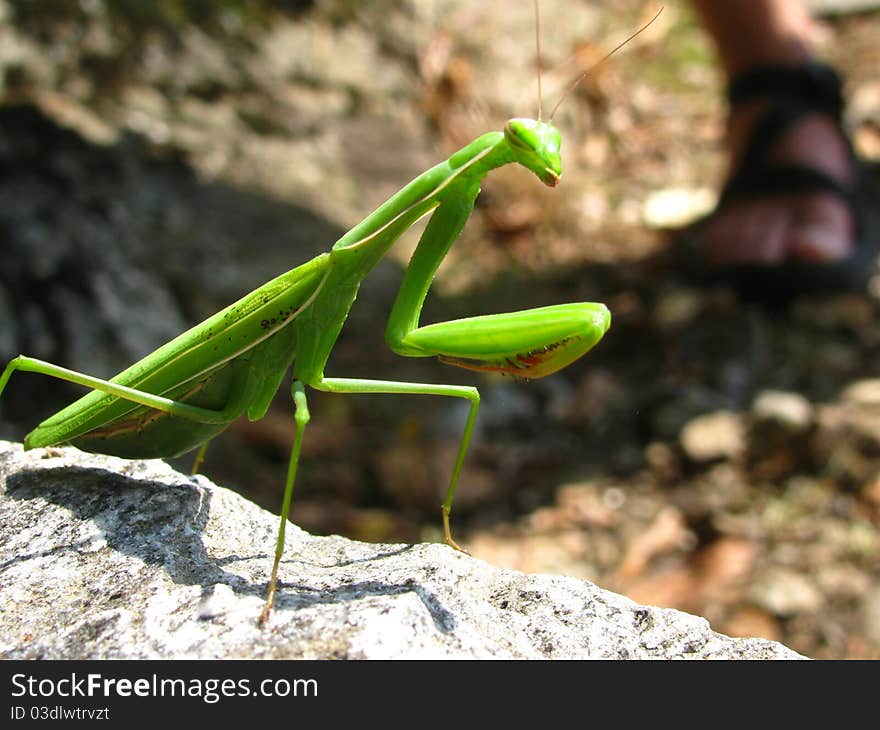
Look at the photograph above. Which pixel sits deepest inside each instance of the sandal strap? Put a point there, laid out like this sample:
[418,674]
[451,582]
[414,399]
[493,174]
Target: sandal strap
[787,179]
[769,128]
[812,84]
[793,91]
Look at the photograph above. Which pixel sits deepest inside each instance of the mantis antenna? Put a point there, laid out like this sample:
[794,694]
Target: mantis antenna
[538,57]
[573,84]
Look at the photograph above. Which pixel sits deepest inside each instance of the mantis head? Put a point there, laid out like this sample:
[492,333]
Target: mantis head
[536,145]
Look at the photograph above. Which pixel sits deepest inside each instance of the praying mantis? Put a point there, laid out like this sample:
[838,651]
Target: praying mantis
[182,395]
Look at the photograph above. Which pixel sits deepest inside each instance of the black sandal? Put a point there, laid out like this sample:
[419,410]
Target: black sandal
[794,92]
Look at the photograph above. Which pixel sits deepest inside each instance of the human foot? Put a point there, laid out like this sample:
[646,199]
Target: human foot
[773,213]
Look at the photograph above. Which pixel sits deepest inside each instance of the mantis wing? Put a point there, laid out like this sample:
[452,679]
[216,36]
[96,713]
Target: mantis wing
[229,363]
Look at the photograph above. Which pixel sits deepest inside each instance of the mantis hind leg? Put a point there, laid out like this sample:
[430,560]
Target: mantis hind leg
[126,433]
[151,400]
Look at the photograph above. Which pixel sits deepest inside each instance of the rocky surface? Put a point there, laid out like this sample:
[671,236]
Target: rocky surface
[106,558]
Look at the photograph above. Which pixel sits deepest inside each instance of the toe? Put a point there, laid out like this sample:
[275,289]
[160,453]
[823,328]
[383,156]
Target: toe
[821,231]
[746,232]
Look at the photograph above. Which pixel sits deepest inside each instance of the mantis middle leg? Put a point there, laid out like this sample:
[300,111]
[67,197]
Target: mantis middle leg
[357,385]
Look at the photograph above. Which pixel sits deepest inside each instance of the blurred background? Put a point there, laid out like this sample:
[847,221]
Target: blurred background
[159,160]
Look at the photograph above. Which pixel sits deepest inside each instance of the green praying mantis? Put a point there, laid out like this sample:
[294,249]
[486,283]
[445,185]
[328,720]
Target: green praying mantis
[182,395]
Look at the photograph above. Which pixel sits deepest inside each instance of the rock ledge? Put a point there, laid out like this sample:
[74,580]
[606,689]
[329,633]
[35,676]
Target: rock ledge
[107,558]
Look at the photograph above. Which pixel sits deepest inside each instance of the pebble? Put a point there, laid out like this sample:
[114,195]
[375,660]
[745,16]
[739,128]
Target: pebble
[863,392]
[677,307]
[785,592]
[871,615]
[718,435]
[677,207]
[787,409]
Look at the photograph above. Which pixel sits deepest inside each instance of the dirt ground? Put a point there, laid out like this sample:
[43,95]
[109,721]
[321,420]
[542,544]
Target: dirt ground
[713,453]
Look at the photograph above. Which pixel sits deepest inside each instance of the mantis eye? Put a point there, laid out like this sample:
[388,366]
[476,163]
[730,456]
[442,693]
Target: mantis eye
[519,136]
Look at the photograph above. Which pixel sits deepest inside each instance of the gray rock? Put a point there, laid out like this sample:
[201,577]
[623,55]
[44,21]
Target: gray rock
[106,558]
